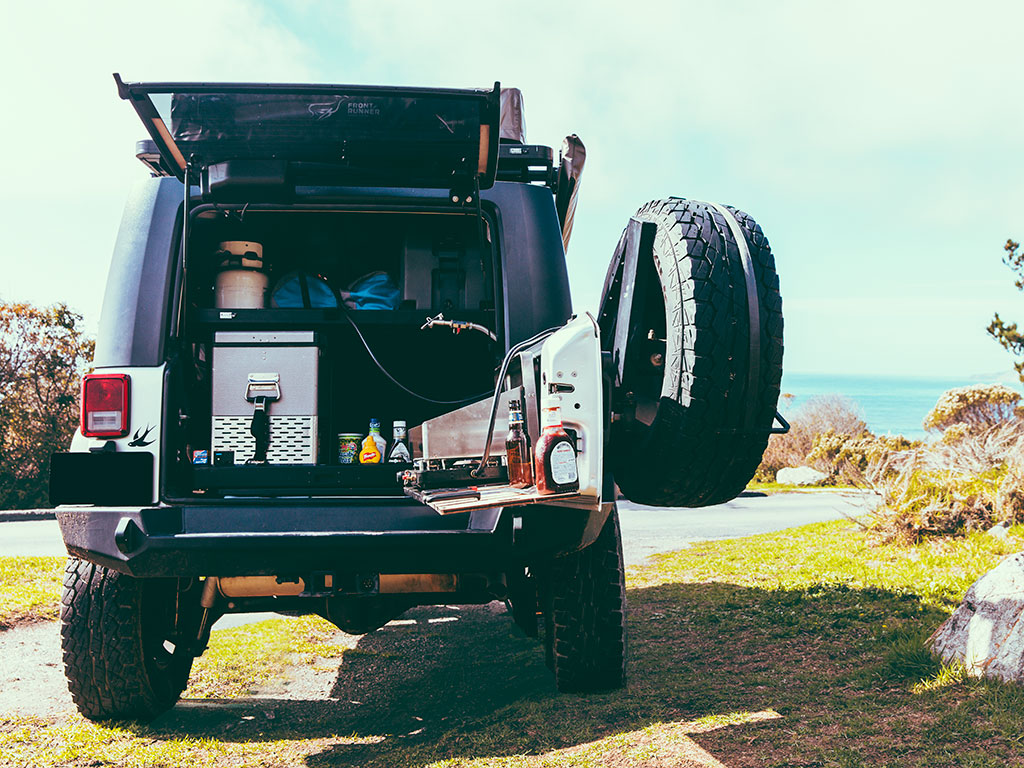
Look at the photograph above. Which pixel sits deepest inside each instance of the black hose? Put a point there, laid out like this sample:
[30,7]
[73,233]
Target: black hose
[395,381]
[498,388]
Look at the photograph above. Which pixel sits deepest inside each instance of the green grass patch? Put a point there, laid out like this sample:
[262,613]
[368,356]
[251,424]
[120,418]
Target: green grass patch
[80,743]
[773,487]
[241,660]
[837,555]
[804,647]
[29,589]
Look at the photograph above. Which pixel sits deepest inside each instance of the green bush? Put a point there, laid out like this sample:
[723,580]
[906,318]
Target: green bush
[974,408]
[953,486]
[935,503]
[852,458]
[969,479]
[824,413]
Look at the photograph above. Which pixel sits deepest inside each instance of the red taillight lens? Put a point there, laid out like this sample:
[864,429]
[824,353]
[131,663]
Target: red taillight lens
[105,405]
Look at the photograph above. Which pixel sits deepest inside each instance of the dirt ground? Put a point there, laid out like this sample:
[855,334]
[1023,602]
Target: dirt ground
[31,674]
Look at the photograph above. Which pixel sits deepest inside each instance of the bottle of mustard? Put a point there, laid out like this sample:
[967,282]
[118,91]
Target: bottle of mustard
[373,445]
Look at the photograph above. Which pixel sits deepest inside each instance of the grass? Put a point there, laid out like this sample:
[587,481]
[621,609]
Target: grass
[239,661]
[800,648]
[242,660]
[836,556]
[29,589]
[773,487]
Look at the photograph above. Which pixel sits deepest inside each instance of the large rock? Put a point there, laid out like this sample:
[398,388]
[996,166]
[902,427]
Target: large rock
[986,633]
[799,476]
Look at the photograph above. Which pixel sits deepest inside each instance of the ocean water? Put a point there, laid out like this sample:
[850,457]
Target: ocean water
[889,404]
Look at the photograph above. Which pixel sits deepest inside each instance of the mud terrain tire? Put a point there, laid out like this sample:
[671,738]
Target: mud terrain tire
[713,416]
[585,631]
[113,629]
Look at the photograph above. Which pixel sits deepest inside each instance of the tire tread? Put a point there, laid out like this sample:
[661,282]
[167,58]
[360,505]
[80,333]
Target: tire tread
[697,451]
[586,627]
[102,647]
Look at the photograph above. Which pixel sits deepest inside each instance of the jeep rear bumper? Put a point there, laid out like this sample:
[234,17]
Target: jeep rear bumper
[252,539]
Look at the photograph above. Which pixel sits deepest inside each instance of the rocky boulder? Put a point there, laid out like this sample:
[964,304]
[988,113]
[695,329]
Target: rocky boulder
[986,633]
[799,476]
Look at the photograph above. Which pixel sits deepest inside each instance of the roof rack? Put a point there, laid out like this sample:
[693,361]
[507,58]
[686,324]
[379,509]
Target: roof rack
[527,163]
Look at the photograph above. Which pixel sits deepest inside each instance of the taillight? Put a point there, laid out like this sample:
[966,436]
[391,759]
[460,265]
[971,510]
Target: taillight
[105,405]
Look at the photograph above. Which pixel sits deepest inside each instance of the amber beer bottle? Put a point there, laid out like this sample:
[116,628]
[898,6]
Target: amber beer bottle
[518,455]
[555,455]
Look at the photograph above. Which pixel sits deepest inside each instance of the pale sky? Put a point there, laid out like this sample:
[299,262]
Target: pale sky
[878,144]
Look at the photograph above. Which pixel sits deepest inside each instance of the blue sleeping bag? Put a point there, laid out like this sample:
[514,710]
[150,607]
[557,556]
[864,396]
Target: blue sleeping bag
[373,291]
[301,290]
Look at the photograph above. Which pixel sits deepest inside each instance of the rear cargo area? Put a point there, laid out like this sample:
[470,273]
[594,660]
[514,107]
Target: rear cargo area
[301,325]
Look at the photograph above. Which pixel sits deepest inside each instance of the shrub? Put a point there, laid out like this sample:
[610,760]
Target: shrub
[976,407]
[937,504]
[951,487]
[853,458]
[43,352]
[824,413]
[954,433]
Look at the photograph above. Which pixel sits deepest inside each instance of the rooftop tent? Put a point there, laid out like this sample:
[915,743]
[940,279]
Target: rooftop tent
[335,134]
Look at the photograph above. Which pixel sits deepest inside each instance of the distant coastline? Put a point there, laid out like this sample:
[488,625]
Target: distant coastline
[889,404]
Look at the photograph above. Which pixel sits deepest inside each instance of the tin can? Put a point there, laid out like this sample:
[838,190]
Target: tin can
[348,447]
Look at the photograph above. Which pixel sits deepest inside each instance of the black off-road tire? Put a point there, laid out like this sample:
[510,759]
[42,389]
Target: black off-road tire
[113,629]
[585,616]
[712,417]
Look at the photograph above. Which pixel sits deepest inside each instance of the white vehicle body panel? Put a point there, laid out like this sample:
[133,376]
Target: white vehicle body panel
[571,357]
[145,418]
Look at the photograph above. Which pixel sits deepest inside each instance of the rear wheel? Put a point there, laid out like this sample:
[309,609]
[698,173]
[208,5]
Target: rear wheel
[700,397]
[118,640]
[585,615]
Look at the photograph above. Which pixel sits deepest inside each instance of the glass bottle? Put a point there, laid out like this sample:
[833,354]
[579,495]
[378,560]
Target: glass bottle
[517,449]
[399,450]
[555,455]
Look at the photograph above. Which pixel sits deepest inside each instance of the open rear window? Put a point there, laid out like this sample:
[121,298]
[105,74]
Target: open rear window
[337,134]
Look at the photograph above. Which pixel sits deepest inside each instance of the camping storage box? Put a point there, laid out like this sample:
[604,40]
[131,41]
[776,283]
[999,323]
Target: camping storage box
[240,357]
[442,274]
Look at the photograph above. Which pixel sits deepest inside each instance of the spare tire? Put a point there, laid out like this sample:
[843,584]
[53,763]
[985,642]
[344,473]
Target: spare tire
[697,405]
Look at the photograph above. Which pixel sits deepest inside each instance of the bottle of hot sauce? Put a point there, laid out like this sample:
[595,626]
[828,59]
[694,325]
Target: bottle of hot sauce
[518,455]
[555,455]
